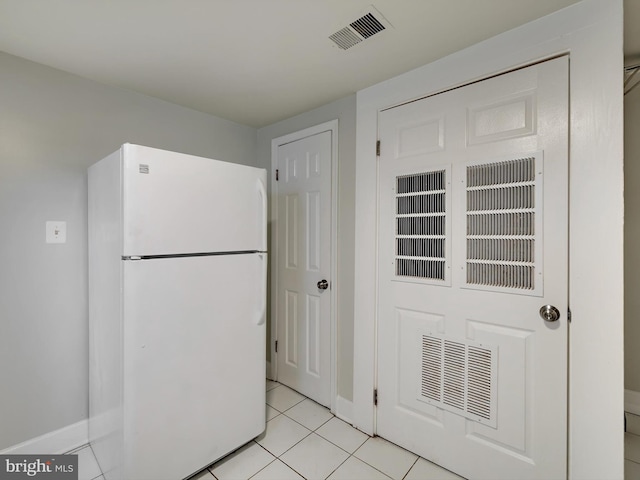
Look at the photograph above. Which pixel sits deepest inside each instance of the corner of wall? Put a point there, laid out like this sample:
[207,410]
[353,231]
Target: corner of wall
[59,441]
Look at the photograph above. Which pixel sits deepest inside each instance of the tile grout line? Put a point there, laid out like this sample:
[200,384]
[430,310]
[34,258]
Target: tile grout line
[349,454]
[315,430]
[278,458]
[310,432]
[319,427]
[95,458]
[410,468]
[334,470]
[292,467]
[274,460]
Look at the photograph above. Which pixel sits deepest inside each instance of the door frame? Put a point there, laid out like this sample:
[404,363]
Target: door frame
[591,32]
[330,126]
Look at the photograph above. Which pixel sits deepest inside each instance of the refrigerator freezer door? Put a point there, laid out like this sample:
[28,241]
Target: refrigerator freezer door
[179,204]
[194,349]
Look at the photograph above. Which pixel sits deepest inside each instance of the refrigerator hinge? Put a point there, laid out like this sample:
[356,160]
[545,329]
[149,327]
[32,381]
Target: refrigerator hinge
[276,346]
[569,314]
[375,397]
[277,175]
[131,257]
[377,148]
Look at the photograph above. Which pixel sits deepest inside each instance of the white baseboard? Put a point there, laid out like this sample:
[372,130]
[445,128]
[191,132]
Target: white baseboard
[59,441]
[632,402]
[344,409]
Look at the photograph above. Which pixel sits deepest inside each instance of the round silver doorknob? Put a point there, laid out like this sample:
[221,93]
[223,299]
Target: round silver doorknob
[549,313]
[323,285]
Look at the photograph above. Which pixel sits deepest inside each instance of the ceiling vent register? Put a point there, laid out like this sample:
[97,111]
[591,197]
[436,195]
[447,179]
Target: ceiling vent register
[364,27]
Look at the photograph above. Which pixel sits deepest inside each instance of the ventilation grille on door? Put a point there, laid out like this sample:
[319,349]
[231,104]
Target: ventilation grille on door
[358,30]
[460,377]
[501,211]
[420,225]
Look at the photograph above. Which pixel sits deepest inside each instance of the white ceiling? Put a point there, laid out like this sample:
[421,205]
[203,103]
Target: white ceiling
[252,61]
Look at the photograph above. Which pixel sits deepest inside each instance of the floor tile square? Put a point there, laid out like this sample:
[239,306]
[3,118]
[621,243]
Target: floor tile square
[271,385]
[271,413]
[276,471]
[386,457]
[314,457]
[633,423]
[203,475]
[281,434]
[632,447]
[76,450]
[342,434]
[88,468]
[631,470]
[242,463]
[283,398]
[355,469]
[425,469]
[309,414]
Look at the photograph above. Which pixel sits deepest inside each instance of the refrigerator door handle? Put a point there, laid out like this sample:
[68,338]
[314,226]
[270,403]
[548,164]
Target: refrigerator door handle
[262,310]
[262,190]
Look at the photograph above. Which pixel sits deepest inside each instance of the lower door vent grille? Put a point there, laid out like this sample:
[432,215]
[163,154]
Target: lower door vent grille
[460,377]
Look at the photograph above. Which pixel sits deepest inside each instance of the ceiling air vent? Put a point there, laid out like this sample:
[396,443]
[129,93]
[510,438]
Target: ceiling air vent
[369,24]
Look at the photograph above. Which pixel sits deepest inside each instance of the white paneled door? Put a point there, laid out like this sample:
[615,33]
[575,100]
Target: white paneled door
[304,264]
[473,232]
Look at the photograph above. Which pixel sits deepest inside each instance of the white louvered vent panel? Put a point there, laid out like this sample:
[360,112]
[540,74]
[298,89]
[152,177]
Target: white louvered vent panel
[420,225]
[367,25]
[501,218]
[454,374]
[479,382]
[431,367]
[371,22]
[345,38]
[460,377]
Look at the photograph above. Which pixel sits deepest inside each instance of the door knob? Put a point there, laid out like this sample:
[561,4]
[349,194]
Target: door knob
[323,285]
[549,313]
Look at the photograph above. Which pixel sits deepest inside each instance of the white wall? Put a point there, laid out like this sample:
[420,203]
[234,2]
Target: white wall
[632,241]
[345,111]
[52,126]
[591,32]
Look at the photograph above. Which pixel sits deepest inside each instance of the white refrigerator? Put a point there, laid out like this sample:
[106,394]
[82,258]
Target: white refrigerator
[177,304]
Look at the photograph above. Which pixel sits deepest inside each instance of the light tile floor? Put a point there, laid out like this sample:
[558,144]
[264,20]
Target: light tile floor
[632,448]
[88,468]
[303,440]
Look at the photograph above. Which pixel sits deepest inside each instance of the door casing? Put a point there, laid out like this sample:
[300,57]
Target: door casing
[591,32]
[331,126]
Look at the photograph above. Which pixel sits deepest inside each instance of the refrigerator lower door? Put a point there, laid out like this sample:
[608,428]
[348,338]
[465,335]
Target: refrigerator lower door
[194,361]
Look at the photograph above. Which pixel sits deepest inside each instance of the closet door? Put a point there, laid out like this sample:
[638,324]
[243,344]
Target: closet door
[473,224]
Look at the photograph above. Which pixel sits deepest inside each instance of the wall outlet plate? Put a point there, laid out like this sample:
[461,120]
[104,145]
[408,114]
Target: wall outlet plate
[56,231]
